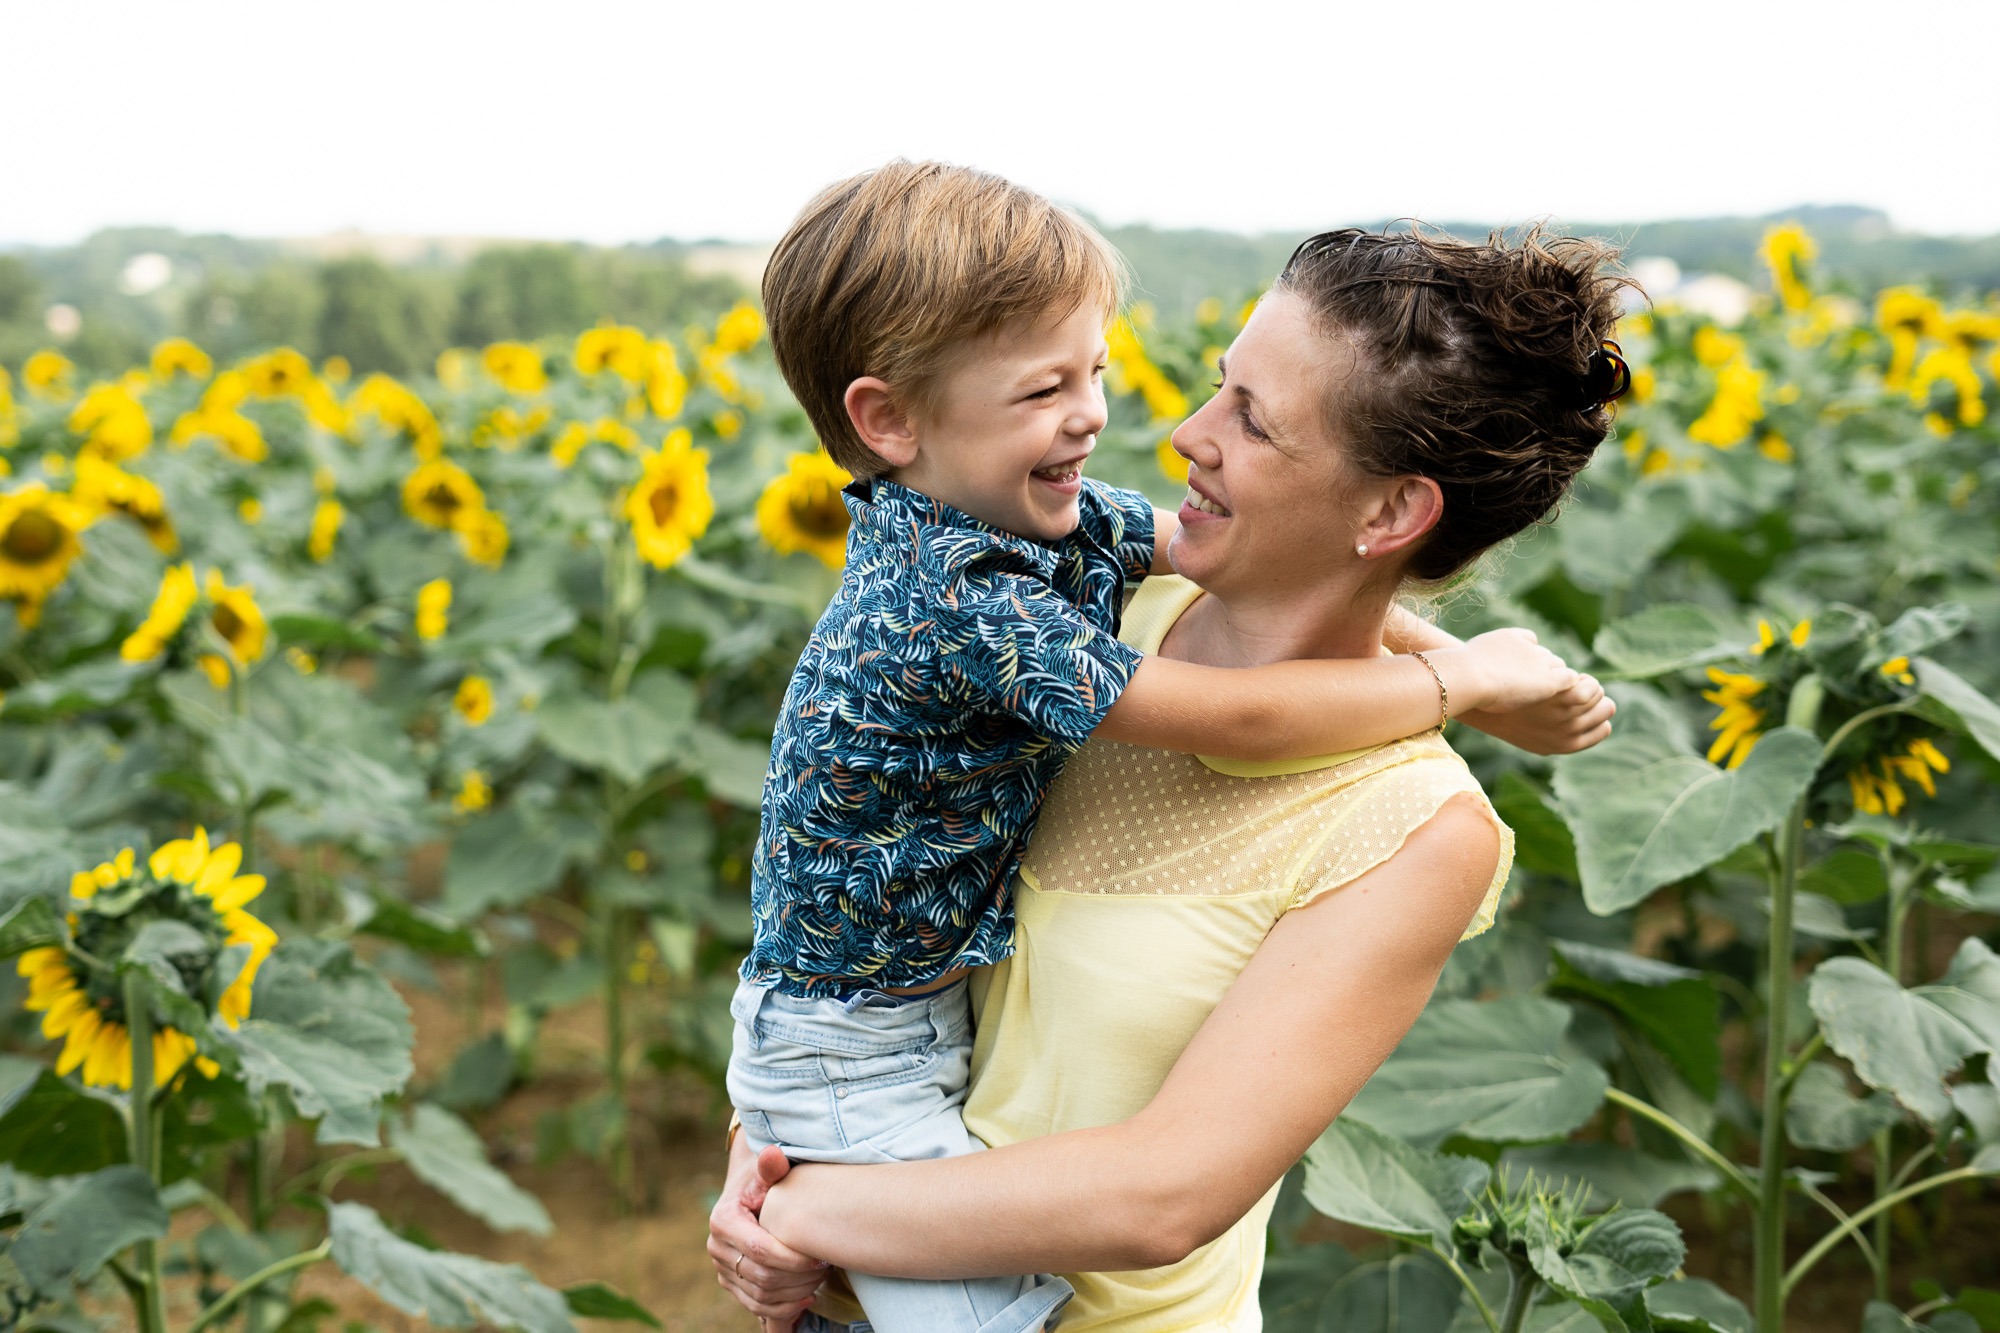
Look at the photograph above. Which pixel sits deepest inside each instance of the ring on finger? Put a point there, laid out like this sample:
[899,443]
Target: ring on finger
[738,1270]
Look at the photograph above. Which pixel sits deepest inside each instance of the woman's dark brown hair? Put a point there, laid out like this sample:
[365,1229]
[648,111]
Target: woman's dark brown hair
[1474,368]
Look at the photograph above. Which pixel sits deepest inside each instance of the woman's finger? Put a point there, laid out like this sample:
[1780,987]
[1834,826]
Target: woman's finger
[781,1314]
[734,1231]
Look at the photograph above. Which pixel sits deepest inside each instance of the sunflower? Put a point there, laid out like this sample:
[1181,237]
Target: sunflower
[178,356]
[569,443]
[1786,250]
[327,515]
[666,386]
[399,410]
[323,408]
[670,506]
[46,374]
[441,494]
[279,373]
[113,422]
[237,435]
[233,614]
[171,604]
[453,368]
[803,510]
[474,700]
[102,487]
[81,998]
[38,541]
[473,793]
[483,536]
[1739,723]
[739,330]
[517,366]
[612,347]
[433,609]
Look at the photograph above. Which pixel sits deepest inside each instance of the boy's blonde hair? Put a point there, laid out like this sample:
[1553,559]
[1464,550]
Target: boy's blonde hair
[888,272]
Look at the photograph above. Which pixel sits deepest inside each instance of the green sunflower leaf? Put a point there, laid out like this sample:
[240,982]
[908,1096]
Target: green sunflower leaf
[449,1290]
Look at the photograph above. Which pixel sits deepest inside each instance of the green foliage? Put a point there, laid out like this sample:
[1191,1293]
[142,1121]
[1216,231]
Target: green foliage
[449,1290]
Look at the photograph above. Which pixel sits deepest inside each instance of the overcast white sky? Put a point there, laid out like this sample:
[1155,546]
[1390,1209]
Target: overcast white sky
[631,121]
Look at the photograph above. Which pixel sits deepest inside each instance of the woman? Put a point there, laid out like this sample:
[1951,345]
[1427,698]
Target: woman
[1212,958]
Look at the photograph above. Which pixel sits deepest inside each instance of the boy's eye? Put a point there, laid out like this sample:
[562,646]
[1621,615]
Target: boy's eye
[1049,392]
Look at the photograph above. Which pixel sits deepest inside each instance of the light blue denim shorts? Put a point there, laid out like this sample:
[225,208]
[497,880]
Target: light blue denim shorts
[870,1078]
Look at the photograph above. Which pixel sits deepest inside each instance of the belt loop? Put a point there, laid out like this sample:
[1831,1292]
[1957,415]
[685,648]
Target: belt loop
[756,1023]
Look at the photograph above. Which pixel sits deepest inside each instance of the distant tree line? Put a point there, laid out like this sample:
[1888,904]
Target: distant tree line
[237,297]
[234,296]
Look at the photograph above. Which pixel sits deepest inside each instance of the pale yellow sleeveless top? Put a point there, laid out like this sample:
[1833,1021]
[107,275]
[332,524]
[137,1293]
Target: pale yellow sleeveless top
[1151,880]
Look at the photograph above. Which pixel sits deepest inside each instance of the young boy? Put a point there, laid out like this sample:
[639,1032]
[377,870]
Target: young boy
[944,331]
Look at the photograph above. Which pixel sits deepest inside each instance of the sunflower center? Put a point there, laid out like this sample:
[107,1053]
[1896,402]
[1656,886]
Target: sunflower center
[819,515]
[32,538]
[664,501]
[228,624]
[442,497]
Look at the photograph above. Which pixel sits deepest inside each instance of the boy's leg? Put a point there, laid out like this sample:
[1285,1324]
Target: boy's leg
[877,1078]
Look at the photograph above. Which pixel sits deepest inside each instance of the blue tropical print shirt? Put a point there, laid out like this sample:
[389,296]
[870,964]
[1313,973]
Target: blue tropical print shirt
[951,676]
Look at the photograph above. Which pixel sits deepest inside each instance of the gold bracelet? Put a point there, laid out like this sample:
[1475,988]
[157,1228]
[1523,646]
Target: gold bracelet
[735,1128]
[1444,695]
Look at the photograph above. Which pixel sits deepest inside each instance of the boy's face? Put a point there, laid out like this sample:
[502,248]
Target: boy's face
[1012,422]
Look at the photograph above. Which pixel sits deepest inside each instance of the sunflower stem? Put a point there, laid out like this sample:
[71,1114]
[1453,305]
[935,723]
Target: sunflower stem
[227,1301]
[1769,1248]
[144,1125]
[1520,1296]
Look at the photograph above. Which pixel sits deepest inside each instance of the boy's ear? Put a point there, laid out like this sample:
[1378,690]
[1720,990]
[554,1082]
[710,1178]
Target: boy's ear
[881,422]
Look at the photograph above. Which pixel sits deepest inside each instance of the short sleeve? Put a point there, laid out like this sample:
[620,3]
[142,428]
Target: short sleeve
[1121,522]
[1374,818]
[1016,645]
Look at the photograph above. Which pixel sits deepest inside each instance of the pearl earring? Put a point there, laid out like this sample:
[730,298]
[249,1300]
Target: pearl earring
[1362,549]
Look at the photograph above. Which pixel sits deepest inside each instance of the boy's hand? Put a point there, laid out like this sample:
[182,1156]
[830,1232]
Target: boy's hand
[766,1276]
[1500,671]
[1573,720]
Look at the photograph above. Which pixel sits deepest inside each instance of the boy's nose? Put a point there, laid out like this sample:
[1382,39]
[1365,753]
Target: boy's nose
[1089,416]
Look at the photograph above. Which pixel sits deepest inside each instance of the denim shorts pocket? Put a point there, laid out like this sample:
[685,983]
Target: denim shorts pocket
[877,1067]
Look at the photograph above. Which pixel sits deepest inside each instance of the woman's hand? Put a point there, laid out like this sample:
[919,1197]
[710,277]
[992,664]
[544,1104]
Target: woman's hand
[767,1277]
[1576,719]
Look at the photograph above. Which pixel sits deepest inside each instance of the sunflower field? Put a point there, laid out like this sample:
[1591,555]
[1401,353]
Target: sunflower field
[316,687]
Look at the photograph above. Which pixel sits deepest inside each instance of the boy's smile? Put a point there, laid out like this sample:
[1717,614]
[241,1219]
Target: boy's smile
[1010,424]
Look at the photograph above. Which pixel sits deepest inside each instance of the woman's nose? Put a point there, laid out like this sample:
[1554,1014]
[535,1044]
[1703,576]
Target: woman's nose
[1193,443]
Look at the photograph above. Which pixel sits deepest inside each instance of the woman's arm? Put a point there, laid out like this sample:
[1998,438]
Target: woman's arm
[1329,994]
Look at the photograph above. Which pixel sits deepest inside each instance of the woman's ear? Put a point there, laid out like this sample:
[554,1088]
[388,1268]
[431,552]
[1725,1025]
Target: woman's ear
[1404,510]
[881,422]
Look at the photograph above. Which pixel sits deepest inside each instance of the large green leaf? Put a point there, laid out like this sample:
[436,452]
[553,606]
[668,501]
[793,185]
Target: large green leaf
[29,924]
[1676,1008]
[421,928]
[627,738]
[730,768]
[449,1290]
[1647,812]
[1978,716]
[1498,1070]
[1324,1289]
[1906,1041]
[1663,638]
[1821,1113]
[1849,876]
[51,1127]
[446,1155]
[1605,550]
[597,1300]
[87,1221]
[1696,1305]
[1611,1267]
[499,860]
[1542,842]
[1365,1178]
[331,1033]
[1614,1176]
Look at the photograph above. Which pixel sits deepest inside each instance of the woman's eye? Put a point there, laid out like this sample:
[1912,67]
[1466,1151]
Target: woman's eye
[1215,385]
[1252,429]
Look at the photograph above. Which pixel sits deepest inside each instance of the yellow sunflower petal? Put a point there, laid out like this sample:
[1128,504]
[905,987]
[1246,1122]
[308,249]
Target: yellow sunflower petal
[63,1012]
[219,870]
[238,892]
[82,1036]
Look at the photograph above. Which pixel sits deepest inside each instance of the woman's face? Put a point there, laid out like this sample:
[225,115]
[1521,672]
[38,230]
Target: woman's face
[1267,482]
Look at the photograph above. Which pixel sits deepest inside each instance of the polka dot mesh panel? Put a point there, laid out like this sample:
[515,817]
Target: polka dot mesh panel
[1124,820]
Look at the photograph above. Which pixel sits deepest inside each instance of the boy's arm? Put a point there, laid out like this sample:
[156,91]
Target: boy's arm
[1165,524]
[1575,719]
[1295,710]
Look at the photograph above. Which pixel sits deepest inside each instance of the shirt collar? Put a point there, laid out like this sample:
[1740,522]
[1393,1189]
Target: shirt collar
[891,509]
